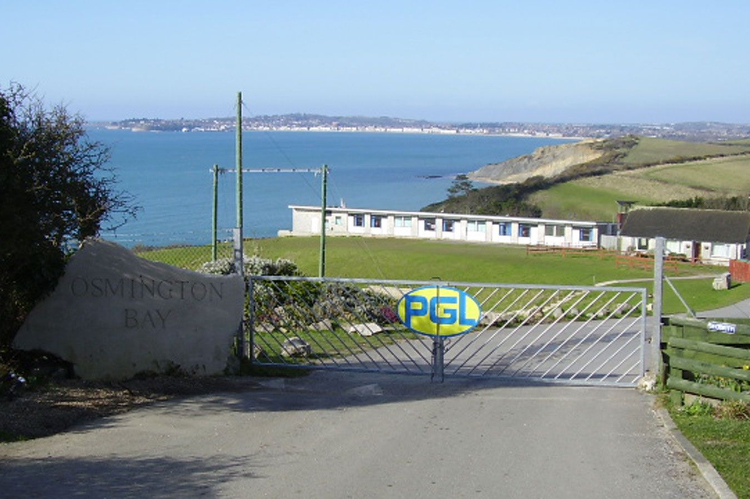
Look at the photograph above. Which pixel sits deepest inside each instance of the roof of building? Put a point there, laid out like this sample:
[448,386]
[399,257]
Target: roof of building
[688,225]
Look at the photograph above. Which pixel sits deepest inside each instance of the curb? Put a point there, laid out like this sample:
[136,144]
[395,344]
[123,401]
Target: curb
[709,473]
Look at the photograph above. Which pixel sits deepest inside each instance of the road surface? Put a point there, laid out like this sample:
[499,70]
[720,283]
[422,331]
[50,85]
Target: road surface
[339,435]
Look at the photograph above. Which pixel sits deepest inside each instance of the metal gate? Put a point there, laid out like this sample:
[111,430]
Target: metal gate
[566,334]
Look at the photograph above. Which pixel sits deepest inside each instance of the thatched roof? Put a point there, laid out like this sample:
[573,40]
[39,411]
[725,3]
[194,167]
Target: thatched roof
[688,225]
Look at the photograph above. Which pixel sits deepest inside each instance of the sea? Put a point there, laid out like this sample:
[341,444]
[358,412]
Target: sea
[168,174]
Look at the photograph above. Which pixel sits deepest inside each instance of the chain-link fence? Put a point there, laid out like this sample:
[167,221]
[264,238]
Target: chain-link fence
[192,251]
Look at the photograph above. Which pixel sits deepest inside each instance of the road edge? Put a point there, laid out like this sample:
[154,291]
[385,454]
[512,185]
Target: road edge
[715,481]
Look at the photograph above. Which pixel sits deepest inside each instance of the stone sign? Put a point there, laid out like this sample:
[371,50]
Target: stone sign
[113,315]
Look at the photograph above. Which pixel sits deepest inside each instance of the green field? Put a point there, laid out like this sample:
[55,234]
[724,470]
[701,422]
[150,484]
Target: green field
[407,259]
[585,199]
[594,198]
[727,176]
[652,151]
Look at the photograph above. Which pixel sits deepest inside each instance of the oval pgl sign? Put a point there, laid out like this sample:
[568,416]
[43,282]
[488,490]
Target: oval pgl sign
[439,311]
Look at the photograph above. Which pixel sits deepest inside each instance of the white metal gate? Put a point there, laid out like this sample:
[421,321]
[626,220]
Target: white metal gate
[565,334]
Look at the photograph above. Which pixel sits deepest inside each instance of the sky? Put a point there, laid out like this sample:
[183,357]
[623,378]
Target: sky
[642,61]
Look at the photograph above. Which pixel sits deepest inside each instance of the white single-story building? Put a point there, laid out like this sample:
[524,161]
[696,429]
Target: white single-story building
[708,236]
[449,226]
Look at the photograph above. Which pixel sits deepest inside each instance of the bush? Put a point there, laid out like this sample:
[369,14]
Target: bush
[254,265]
[54,192]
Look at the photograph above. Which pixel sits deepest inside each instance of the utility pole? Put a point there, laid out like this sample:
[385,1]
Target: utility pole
[215,215]
[239,244]
[323,195]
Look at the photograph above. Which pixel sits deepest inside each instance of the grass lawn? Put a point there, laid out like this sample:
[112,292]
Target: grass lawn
[699,295]
[723,175]
[423,260]
[724,442]
[649,151]
[409,259]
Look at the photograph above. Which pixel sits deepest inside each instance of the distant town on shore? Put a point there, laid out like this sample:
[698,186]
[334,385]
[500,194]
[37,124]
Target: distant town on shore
[693,131]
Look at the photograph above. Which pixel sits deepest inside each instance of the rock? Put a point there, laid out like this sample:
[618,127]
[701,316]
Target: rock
[366,329]
[296,347]
[113,315]
[647,383]
[603,313]
[489,319]
[324,325]
[558,313]
[623,309]
[258,351]
[723,281]
[547,161]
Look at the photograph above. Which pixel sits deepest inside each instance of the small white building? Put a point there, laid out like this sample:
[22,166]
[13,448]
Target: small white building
[709,236]
[449,226]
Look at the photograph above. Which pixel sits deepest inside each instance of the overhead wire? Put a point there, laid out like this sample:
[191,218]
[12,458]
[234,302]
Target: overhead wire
[334,187]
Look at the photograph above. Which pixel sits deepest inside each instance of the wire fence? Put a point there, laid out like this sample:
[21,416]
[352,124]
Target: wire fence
[188,250]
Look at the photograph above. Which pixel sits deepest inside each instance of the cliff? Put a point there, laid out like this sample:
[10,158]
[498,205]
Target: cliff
[547,162]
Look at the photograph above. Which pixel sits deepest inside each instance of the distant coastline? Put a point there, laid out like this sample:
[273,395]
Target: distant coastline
[349,130]
[697,132]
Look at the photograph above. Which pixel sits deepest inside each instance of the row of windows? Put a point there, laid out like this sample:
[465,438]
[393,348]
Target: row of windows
[504,228]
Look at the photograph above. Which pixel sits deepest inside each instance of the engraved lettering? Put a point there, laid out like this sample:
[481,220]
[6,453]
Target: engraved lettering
[79,286]
[163,317]
[182,288]
[97,287]
[200,295]
[165,295]
[151,290]
[111,290]
[147,318]
[217,291]
[131,318]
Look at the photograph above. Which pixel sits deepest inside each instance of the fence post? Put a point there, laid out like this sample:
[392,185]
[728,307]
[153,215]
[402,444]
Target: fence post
[658,305]
[240,269]
[248,342]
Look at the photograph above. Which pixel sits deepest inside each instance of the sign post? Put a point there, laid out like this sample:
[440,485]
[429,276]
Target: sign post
[439,312]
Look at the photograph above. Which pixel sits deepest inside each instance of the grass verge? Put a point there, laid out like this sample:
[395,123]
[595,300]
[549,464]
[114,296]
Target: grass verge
[724,442]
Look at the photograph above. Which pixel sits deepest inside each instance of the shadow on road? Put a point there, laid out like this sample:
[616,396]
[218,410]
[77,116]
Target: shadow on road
[120,477]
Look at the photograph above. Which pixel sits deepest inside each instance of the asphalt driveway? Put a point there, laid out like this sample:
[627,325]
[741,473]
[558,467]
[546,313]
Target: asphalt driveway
[340,435]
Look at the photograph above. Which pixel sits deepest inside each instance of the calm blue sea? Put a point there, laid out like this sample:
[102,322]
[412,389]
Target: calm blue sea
[169,175]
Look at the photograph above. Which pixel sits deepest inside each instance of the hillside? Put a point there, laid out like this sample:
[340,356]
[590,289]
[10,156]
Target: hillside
[594,198]
[546,162]
[583,180]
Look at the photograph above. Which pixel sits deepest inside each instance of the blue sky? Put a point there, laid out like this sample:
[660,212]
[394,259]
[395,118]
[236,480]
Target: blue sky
[534,61]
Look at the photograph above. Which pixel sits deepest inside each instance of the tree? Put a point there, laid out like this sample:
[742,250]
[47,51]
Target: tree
[461,186]
[54,191]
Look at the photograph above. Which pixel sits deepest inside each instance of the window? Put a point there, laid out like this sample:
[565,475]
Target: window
[554,230]
[673,247]
[476,226]
[721,250]
[429,224]
[642,243]
[401,221]
[586,234]
[448,225]
[524,230]
[359,220]
[376,221]
[337,220]
[504,228]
